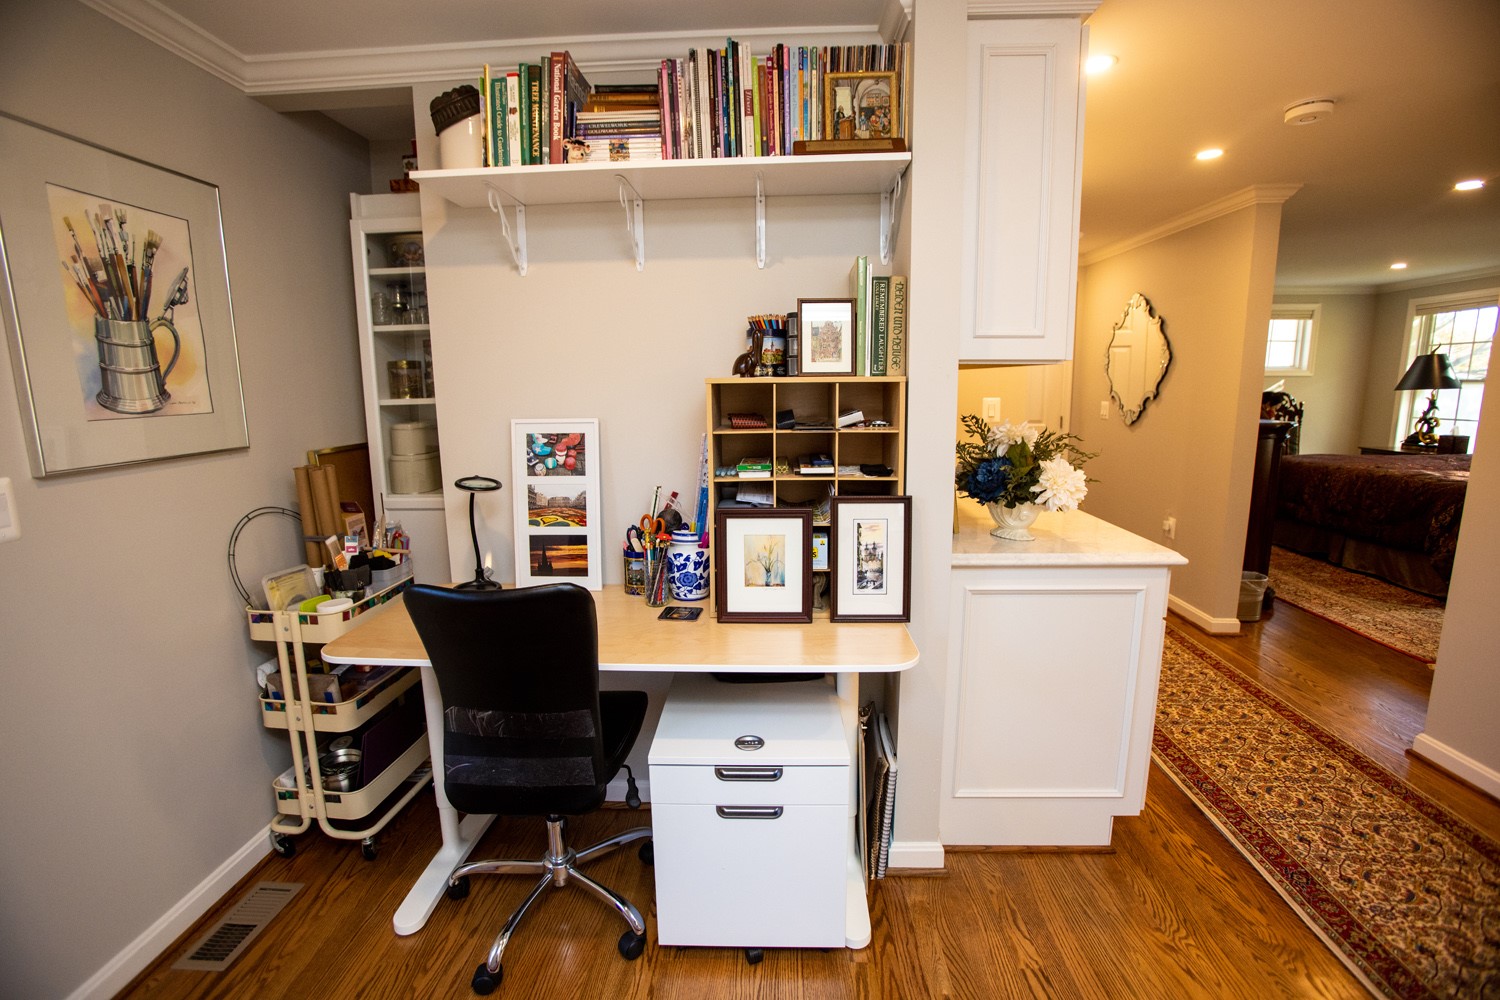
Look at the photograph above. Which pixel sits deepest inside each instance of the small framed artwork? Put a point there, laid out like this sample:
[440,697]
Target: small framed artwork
[555,466]
[861,106]
[870,553]
[763,565]
[826,336]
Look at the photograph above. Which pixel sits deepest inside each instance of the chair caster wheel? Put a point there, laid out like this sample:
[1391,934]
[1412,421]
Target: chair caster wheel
[283,845]
[367,848]
[459,889]
[753,956]
[647,853]
[485,981]
[631,945]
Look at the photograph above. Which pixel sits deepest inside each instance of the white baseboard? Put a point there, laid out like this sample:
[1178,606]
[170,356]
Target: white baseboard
[916,854]
[1462,765]
[140,953]
[1208,623]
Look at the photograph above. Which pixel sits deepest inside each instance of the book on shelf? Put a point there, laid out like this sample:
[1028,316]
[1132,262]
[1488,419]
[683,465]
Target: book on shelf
[848,418]
[896,327]
[755,495]
[531,110]
[880,293]
[611,150]
[817,464]
[512,119]
[830,147]
[859,291]
[753,463]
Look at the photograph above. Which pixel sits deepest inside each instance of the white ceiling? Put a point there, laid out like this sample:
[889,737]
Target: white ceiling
[1416,86]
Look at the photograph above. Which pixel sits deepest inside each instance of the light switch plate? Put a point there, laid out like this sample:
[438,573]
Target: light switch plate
[10,525]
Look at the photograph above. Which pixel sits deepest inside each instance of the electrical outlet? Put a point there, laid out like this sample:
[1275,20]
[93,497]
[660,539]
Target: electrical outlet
[992,409]
[1169,527]
[10,526]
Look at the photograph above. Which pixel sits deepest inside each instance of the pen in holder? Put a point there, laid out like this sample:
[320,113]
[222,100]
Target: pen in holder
[656,575]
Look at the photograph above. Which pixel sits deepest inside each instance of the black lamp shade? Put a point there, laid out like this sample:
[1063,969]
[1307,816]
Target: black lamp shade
[1429,371]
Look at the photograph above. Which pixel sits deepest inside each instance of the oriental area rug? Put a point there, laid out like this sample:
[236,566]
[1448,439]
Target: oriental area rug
[1404,892]
[1393,616]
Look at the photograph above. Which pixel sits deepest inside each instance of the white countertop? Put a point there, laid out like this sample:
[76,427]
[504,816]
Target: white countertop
[1069,538]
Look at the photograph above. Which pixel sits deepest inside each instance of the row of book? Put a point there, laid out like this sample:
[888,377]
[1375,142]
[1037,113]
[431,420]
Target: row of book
[713,103]
[880,325]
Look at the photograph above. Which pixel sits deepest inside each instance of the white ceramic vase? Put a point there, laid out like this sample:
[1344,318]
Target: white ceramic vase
[1015,522]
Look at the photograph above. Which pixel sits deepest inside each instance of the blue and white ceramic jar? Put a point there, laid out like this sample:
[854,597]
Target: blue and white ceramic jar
[687,566]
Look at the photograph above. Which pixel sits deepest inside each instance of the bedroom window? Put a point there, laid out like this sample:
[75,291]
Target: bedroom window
[1465,331]
[1289,343]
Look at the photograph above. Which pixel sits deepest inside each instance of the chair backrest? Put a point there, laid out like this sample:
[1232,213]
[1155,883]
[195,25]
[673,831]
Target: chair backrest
[518,671]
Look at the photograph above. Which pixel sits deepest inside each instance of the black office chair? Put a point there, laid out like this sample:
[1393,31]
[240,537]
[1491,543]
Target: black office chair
[527,732]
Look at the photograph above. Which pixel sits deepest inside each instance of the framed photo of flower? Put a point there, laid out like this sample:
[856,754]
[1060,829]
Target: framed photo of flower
[555,466]
[870,558]
[763,564]
[826,332]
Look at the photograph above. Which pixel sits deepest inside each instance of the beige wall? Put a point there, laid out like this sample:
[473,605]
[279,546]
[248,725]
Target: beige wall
[1334,394]
[1190,454]
[136,765]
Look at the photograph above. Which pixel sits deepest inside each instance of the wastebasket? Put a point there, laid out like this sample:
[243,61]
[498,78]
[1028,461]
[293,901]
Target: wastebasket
[1252,596]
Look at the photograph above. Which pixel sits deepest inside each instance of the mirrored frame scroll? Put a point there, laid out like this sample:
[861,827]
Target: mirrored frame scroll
[1138,357]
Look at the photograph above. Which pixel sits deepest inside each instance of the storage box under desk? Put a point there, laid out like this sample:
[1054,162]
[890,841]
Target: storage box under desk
[751,845]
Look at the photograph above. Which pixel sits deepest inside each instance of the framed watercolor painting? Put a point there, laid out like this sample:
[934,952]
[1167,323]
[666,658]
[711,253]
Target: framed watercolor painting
[555,465]
[763,564]
[826,336]
[114,288]
[870,556]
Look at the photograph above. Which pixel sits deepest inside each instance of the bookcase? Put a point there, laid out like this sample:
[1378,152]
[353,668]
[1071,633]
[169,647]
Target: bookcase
[866,460]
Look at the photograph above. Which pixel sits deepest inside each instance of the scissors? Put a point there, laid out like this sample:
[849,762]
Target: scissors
[633,539]
[653,528]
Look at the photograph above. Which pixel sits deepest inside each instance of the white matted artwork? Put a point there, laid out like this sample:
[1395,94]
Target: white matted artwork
[871,559]
[555,465]
[763,564]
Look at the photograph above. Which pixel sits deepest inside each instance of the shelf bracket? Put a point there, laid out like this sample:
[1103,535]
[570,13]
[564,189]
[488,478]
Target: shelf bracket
[635,220]
[517,240]
[888,204]
[760,221]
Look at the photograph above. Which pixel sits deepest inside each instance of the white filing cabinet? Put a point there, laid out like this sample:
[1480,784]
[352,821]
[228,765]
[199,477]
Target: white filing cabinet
[751,844]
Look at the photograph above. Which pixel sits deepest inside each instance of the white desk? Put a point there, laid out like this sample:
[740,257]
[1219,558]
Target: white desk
[631,638]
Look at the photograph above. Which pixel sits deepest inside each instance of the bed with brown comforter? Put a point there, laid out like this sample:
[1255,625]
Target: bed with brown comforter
[1395,516]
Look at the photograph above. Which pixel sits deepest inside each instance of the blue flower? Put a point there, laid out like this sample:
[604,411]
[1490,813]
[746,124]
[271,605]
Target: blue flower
[988,479]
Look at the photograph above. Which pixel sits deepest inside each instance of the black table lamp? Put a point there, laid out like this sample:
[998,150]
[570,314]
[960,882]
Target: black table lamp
[472,485]
[1427,371]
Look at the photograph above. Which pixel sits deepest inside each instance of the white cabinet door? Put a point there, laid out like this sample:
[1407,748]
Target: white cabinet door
[1022,154]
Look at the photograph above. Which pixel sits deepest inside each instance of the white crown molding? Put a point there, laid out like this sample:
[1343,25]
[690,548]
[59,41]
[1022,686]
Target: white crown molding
[980,10]
[1258,194]
[895,19]
[401,66]
[1412,284]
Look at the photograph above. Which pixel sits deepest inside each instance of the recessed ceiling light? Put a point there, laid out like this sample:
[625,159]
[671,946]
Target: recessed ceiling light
[1400,265]
[1209,154]
[1101,63]
[1470,185]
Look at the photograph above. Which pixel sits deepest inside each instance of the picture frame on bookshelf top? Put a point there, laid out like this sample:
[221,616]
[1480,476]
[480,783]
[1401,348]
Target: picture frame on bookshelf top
[861,105]
[827,331]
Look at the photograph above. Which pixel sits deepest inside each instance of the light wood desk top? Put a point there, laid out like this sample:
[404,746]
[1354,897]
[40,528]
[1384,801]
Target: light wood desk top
[631,637]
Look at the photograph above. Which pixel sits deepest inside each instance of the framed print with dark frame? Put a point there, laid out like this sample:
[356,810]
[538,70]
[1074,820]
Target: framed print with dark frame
[114,287]
[763,564]
[870,555]
[826,337]
[861,106]
[555,465]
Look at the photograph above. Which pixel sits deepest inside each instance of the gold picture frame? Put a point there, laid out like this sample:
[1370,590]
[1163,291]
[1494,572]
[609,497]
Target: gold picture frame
[865,105]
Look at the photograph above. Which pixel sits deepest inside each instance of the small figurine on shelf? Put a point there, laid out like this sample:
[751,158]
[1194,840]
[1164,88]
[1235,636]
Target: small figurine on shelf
[744,365]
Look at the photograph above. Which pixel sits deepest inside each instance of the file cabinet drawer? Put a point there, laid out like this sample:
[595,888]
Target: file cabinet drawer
[746,784]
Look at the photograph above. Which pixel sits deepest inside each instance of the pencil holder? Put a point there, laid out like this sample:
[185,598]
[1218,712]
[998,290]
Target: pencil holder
[656,576]
[635,573]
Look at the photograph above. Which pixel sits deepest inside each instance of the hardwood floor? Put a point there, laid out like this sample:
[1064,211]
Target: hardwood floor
[1171,911]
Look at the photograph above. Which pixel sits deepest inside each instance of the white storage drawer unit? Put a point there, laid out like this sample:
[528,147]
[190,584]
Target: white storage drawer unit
[751,844]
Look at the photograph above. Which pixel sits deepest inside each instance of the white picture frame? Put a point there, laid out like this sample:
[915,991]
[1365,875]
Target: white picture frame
[870,558]
[555,466]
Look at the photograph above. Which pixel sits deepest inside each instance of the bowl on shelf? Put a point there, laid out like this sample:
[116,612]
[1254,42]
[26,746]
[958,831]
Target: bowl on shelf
[405,249]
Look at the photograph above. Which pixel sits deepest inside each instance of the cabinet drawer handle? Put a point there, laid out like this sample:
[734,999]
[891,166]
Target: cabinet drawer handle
[747,773]
[748,812]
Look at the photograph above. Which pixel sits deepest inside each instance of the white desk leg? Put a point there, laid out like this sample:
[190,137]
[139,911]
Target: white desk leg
[459,838]
[856,904]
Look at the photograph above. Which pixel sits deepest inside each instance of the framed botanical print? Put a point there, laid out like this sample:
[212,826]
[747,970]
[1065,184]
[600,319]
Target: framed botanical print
[763,564]
[555,465]
[870,556]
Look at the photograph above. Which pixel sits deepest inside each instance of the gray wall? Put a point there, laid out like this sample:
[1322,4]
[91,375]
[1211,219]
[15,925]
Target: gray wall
[135,761]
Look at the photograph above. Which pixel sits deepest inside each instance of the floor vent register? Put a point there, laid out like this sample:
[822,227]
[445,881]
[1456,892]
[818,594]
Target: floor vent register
[222,943]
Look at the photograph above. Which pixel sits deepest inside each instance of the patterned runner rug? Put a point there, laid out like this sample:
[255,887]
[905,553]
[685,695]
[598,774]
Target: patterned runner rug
[1405,893]
[1393,616]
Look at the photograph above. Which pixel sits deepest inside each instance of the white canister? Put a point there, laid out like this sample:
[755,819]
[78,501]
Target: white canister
[416,437]
[461,146]
[687,566]
[414,473]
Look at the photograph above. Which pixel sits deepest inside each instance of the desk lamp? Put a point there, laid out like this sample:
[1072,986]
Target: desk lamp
[1427,371]
[472,485]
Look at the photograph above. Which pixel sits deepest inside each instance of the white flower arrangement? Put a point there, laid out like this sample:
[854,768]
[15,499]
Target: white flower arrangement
[1013,465]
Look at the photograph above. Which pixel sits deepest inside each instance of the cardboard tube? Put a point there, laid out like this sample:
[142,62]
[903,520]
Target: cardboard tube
[311,550]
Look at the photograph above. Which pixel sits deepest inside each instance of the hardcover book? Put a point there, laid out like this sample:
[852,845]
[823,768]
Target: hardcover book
[880,287]
[896,340]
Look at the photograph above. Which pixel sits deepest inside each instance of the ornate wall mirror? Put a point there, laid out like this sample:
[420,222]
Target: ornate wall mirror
[1138,358]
